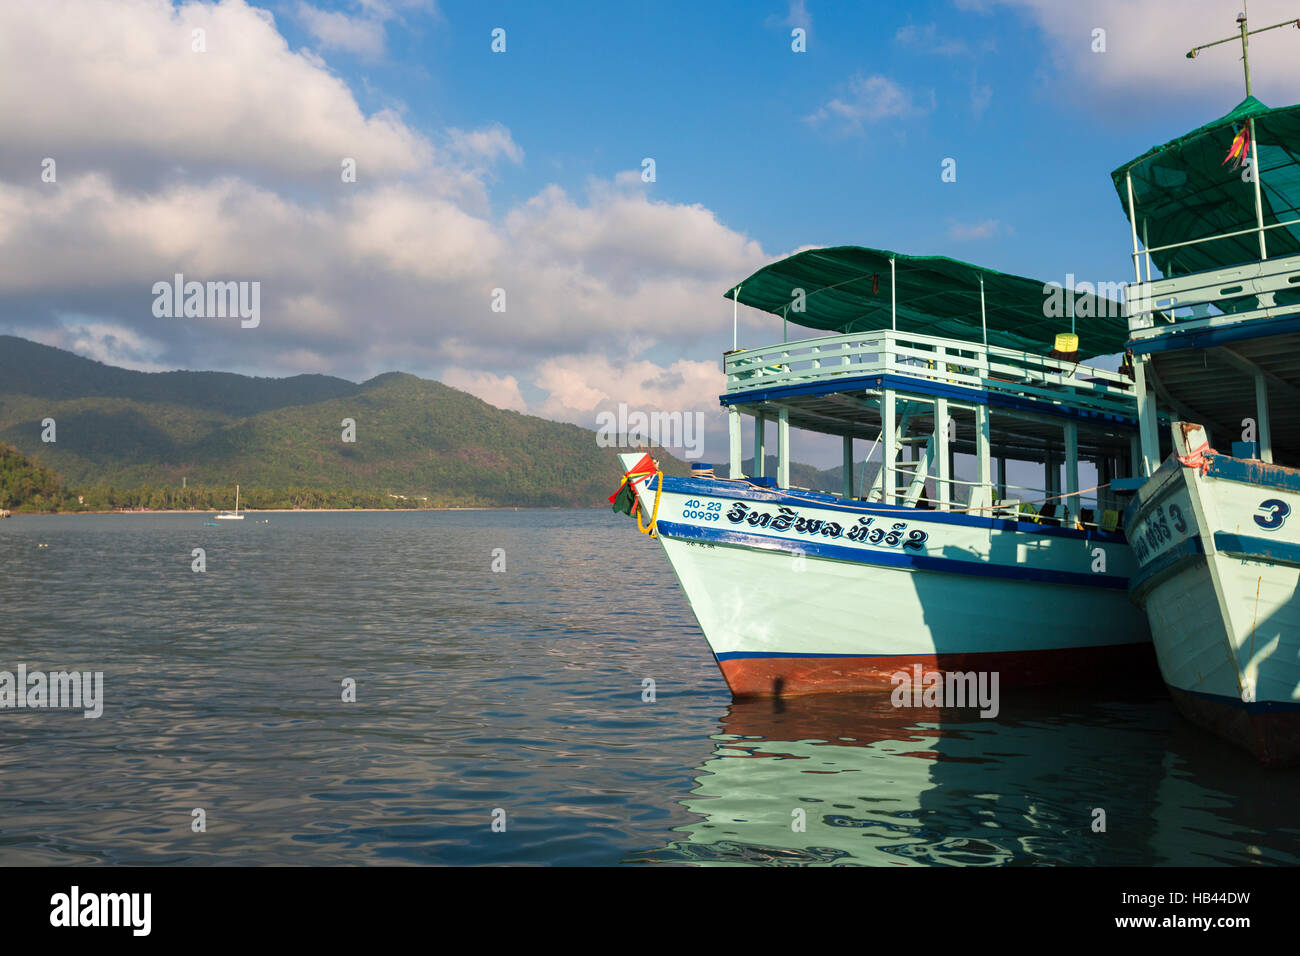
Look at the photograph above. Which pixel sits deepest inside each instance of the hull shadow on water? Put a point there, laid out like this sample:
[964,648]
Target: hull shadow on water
[879,785]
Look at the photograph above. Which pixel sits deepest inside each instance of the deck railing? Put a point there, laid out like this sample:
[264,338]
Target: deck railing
[927,358]
[1263,289]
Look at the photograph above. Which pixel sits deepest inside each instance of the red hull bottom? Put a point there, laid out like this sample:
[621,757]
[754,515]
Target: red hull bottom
[1274,738]
[789,676]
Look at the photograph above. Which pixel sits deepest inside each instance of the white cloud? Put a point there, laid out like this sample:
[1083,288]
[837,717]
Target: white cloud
[115,84]
[580,386]
[104,342]
[1146,45]
[927,39]
[867,99]
[499,390]
[395,271]
[363,35]
[986,229]
[798,15]
[485,145]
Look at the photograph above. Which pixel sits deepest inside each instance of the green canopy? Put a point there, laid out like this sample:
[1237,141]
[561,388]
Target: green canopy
[1183,190]
[847,289]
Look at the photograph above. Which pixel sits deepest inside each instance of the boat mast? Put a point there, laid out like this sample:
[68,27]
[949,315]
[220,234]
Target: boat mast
[1245,35]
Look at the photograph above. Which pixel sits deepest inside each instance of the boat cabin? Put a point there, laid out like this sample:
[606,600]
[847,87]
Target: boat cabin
[1216,334]
[925,358]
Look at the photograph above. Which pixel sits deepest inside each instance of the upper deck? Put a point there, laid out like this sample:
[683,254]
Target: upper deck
[1215,307]
[929,365]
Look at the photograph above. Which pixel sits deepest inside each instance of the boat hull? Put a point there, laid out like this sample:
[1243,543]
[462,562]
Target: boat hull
[1222,593]
[800,594]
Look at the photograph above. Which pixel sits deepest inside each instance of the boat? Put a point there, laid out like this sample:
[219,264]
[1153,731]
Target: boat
[231,515]
[1216,342]
[803,591]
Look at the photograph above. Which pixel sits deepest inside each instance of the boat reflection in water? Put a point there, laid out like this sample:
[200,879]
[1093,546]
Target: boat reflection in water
[880,785]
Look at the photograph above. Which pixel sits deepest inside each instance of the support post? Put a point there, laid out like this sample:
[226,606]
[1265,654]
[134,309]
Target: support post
[1147,422]
[888,446]
[1133,225]
[1072,471]
[943,483]
[982,427]
[733,430]
[1263,428]
[848,466]
[1259,203]
[783,448]
[760,439]
[920,472]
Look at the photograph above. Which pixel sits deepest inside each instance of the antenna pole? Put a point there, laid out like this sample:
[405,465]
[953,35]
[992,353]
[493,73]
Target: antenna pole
[1245,63]
[893,298]
[735,318]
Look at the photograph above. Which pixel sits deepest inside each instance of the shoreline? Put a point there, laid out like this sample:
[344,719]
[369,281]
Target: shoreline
[272,511]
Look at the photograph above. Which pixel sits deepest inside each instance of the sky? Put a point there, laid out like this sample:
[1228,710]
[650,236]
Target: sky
[146,138]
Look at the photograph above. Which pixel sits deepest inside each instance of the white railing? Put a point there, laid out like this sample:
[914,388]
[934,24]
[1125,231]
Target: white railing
[1027,505]
[1197,301]
[927,358]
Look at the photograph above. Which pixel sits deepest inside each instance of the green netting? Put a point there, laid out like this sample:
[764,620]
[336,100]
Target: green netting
[847,289]
[1183,191]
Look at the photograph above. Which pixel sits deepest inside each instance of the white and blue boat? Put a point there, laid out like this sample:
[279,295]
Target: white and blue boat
[1216,338]
[930,362]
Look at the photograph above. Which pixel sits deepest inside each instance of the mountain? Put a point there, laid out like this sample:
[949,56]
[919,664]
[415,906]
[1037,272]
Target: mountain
[414,437]
[41,371]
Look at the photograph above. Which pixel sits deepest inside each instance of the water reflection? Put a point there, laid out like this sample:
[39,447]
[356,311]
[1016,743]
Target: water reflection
[903,787]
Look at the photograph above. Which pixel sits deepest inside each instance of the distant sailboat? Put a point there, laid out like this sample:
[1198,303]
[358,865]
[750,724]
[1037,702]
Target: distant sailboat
[235,516]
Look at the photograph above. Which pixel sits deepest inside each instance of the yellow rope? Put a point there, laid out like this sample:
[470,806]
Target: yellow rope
[654,518]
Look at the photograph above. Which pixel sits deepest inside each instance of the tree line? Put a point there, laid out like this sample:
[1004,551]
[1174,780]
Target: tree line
[28,486]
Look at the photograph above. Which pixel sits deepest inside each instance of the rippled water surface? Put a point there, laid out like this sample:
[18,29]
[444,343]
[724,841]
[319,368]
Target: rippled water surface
[522,691]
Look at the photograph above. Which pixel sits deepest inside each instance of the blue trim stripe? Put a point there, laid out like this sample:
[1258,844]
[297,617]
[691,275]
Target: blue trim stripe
[916,386]
[1237,545]
[1251,472]
[1253,707]
[894,559]
[813,499]
[1260,549]
[1174,340]
[1183,551]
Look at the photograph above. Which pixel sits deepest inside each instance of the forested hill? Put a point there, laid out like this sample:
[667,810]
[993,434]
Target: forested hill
[27,485]
[117,430]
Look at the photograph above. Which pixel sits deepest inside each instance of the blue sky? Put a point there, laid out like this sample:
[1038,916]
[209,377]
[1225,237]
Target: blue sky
[714,93]
[521,170]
